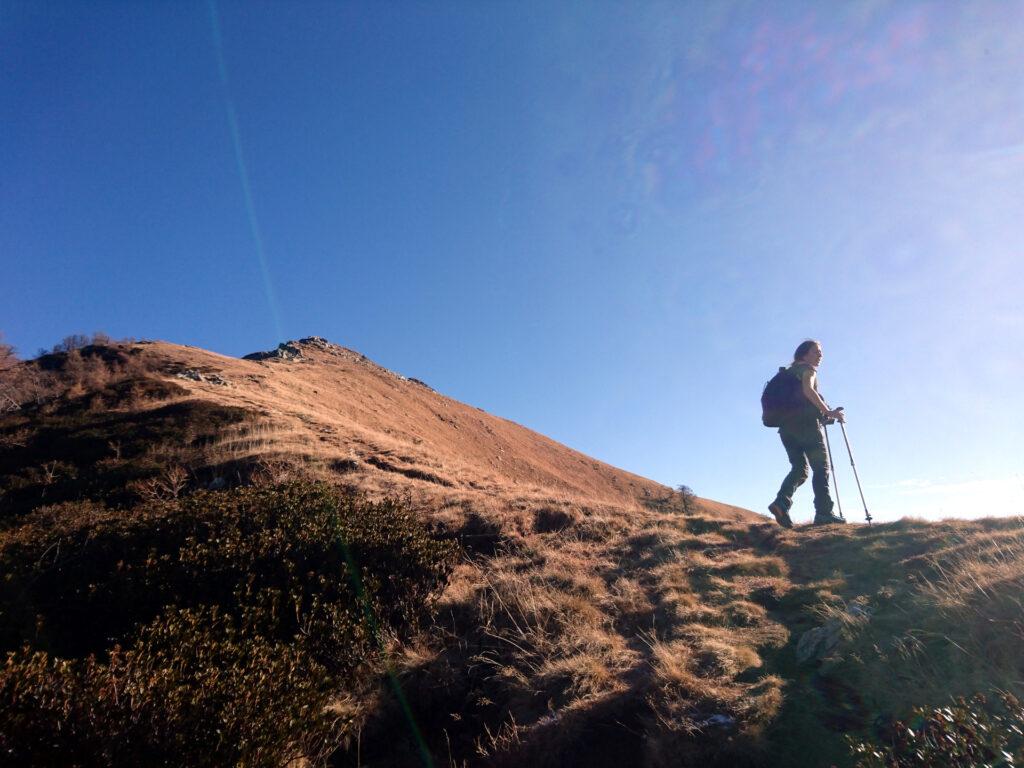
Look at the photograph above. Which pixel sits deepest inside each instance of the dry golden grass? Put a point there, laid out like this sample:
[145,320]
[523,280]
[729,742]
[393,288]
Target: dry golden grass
[564,627]
[693,620]
[335,405]
[600,619]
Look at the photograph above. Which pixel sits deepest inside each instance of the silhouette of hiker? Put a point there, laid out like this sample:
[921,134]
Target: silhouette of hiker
[804,442]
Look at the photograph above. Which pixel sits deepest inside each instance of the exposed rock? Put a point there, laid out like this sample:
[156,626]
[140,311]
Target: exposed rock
[292,350]
[285,351]
[191,374]
[718,721]
[317,341]
[819,642]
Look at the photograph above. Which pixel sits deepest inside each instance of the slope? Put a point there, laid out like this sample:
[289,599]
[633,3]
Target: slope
[329,412]
[594,618]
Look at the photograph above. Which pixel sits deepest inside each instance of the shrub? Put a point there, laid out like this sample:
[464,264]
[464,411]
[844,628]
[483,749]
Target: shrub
[689,499]
[192,689]
[964,734]
[107,454]
[8,362]
[75,366]
[72,343]
[208,630]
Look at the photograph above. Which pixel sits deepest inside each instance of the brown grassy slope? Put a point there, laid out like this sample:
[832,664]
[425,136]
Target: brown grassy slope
[598,618]
[608,598]
[589,597]
[676,641]
[332,410]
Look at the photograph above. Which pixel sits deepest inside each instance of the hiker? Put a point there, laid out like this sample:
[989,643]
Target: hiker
[801,433]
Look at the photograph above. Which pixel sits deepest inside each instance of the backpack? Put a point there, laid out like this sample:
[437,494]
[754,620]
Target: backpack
[781,397]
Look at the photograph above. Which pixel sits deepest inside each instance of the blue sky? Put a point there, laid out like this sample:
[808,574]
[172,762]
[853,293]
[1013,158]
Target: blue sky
[607,222]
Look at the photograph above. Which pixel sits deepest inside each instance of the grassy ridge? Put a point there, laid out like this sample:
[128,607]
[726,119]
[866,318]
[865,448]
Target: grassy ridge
[145,616]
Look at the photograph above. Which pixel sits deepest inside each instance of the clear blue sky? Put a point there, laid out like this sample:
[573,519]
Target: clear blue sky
[608,222]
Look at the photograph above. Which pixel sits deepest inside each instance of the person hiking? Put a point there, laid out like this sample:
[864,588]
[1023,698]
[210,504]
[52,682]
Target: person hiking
[803,440]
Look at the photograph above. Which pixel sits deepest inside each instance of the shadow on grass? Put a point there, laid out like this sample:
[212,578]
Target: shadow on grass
[905,654]
[94,446]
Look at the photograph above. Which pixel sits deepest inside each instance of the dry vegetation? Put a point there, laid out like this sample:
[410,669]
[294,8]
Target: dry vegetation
[595,618]
[597,644]
[671,640]
[926,611]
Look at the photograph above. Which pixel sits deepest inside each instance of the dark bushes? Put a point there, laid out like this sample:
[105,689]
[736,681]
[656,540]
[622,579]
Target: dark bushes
[211,630]
[76,365]
[191,690]
[967,733]
[68,451]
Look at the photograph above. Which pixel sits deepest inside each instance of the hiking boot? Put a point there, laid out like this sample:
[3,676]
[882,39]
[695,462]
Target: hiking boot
[781,516]
[828,519]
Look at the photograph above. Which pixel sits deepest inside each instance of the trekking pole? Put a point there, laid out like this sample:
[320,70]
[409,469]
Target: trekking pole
[835,478]
[867,515]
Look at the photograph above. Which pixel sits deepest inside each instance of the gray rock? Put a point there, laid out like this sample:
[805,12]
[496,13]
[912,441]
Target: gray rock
[819,642]
[292,350]
[719,721]
[285,351]
[192,374]
[317,341]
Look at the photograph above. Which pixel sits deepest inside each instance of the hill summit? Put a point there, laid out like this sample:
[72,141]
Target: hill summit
[336,564]
[331,413]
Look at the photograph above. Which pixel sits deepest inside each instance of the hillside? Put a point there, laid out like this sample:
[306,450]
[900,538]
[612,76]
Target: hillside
[589,616]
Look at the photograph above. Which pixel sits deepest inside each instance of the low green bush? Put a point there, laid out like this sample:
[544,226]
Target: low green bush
[191,689]
[206,631]
[969,733]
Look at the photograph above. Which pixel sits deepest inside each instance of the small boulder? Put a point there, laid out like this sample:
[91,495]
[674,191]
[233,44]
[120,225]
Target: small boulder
[819,642]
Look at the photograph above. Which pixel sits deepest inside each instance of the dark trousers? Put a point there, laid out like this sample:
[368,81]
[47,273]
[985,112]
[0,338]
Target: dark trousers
[805,444]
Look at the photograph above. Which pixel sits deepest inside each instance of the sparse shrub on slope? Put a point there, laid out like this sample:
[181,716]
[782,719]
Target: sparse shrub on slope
[9,394]
[92,447]
[208,631]
[689,499]
[75,365]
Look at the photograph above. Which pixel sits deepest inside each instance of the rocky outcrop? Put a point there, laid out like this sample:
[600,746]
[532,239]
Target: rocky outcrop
[293,350]
[286,350]
[193,374]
